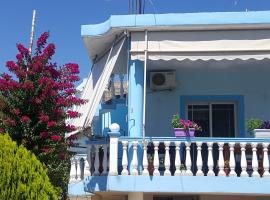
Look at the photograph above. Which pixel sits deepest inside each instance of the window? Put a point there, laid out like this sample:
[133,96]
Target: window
[217,119]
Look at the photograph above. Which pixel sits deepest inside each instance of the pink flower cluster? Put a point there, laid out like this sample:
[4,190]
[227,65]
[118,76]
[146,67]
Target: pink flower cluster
[42,40]
[43,117]
[22,49]
[72,68]
[56,137]
[70,128]
[25,119]
[72,114]
[186,123]
[51,124]
[49,51]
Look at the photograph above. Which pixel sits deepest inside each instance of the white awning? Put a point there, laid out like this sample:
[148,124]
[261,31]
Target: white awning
[204,45]
[95,86]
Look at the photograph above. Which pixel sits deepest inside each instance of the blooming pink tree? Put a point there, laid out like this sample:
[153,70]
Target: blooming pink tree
[35,103]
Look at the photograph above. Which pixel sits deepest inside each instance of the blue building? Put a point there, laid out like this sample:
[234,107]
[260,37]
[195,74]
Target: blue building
[211,68]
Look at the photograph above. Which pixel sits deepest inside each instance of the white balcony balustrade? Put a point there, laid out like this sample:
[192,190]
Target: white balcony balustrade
[219,157]
[93,163]
[224,157]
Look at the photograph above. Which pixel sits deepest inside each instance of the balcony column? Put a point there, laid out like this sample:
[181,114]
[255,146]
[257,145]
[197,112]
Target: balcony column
[254,160]
[134,162]
[243,160]
[232,160]
[124,159]
[135,108]
[210,162]
[86,171]
[199,159]
[221,160]
[89,157]
[177,159]
[79,173]
[265,160]
[105,160]
[113,158]
[156,159]
[145,171]
[96,163]
[188,160]
[72,170]
[135,98]
[167,159]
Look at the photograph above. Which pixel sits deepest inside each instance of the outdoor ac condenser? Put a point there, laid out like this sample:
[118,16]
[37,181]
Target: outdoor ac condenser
[162,80]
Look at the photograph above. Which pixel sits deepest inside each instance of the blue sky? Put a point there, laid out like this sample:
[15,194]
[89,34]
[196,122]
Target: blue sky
[63,19]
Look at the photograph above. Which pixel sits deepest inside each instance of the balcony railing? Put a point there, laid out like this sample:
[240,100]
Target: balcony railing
[170,156]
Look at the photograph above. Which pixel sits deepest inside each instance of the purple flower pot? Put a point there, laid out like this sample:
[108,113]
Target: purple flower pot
[180,132]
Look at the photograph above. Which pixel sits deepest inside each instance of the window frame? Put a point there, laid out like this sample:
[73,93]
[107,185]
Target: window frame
[210,104]
[239,99]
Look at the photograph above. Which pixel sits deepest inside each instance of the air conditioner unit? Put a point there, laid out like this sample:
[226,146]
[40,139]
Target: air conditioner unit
[162,80]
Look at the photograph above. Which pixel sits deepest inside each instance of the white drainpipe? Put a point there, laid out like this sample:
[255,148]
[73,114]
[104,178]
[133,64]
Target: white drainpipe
[144,79]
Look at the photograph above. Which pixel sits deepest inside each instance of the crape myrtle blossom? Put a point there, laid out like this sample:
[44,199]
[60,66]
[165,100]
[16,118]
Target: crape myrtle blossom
[37,100]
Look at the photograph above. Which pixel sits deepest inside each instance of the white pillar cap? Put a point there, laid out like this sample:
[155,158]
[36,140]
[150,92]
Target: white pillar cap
[114,127]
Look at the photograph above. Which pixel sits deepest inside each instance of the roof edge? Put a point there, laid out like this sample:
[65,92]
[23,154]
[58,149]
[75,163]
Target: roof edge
[176,19]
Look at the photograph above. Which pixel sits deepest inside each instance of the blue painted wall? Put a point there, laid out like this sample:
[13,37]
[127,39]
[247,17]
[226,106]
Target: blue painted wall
[115,112]
[245,81]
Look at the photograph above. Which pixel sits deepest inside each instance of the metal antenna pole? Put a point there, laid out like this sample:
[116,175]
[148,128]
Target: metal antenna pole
[32,32]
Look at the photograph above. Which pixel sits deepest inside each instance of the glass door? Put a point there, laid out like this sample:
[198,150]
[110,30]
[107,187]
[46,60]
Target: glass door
[223,121]
[200,114]
[216,119]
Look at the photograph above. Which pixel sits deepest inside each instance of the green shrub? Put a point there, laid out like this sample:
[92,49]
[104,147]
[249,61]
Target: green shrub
[254,124]
[22,176]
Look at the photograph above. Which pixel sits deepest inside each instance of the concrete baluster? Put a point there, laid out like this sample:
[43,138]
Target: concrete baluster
[199,159]
[232,160]
[210,162]
[125,159]
[255,160]
[221,160]
[134,162]
[177,159]
[167,159]
[243,160]
[156,159]
[145,171]
[105,160]
[266,160]
[188,160]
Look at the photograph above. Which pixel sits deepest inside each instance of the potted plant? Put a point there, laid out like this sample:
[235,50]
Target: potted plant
[184,128]
[260,128]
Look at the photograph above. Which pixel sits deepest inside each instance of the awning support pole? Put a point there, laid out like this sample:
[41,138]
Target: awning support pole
[144,79]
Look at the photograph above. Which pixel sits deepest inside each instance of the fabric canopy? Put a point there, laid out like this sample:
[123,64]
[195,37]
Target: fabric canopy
[204,45]
[95,86]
